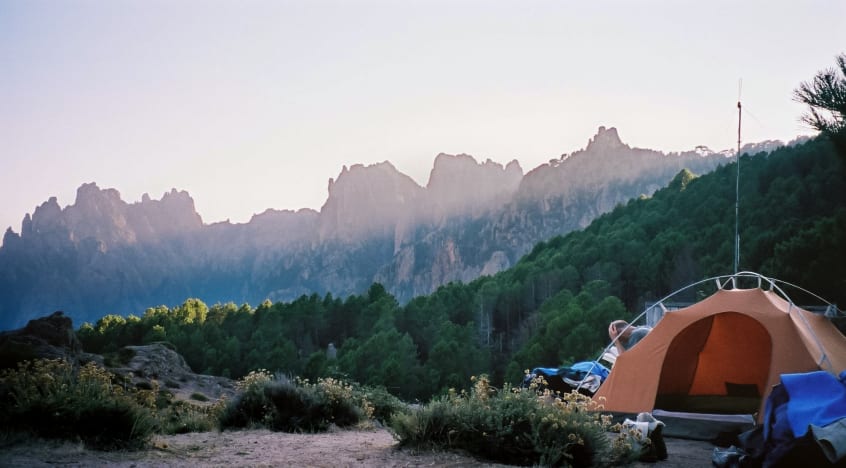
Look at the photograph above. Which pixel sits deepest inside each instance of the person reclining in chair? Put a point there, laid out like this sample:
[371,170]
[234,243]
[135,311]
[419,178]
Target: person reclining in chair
[624,335]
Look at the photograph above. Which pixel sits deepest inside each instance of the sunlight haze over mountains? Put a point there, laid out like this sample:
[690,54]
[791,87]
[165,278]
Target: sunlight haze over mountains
[256,105]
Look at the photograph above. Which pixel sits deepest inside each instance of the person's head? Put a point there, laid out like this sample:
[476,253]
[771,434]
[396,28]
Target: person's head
[619,328]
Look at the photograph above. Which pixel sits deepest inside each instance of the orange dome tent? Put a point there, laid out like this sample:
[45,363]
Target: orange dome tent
[722,355]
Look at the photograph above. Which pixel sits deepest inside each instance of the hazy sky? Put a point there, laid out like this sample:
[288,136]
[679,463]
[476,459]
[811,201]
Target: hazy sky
[250,105]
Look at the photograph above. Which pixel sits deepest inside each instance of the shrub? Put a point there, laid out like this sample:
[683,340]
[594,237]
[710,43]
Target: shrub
[340,407]
[384,405]
[282,404]
[181,417]
[515,426]
[199,397]
[47,398]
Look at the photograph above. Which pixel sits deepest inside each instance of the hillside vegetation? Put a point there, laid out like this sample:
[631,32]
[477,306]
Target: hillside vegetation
[552,307]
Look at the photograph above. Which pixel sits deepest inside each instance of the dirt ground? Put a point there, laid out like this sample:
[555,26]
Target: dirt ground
[343,448]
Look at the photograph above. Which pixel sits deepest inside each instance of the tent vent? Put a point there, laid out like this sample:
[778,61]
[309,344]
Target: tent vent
[832,311]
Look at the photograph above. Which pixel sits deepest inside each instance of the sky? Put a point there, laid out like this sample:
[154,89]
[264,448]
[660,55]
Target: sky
[249,105]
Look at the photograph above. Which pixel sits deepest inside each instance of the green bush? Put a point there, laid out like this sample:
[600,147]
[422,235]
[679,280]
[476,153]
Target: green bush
[384,405]
[199,397]
[283,404]
[515,426]
[181,417]
[49,399]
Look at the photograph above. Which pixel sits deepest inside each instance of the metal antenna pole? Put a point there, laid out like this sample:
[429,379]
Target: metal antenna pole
[737,187]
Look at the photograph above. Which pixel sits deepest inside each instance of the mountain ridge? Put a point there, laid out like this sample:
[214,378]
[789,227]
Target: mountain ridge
[102,254]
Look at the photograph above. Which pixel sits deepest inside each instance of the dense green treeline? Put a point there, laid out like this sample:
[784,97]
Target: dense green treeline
[550,308]
[371,333]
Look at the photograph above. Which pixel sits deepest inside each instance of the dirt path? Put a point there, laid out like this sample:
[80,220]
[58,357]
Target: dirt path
[371,448]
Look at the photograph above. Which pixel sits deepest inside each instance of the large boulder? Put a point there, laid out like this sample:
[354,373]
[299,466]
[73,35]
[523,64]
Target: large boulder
[159,362]
[50,337]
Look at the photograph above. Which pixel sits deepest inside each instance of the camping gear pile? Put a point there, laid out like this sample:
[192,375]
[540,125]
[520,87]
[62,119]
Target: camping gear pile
[804,425]
[584,377]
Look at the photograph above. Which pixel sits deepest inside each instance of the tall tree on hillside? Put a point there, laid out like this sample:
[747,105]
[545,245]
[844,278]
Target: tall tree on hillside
[825,94]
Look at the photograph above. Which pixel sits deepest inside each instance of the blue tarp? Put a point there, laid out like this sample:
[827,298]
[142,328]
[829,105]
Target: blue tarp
[816,398]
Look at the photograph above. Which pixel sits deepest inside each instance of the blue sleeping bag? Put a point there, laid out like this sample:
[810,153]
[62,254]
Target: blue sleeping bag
[568,378]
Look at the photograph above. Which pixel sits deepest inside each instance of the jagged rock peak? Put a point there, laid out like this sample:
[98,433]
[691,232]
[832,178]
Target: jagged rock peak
[46,216]
[50,207]
[176,194]
[605,139]
[384,167]
[463,165]
[459,185]
[514,166]
[174,213]
[272,216]
[179,202]
[367,199]
[381,175]
[90,193]
[359,172]
[102,215]
[10,238]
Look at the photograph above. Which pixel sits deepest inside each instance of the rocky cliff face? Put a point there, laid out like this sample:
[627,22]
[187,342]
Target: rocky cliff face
[96,256]
[102,255]
[368,202]
[606,163]
[491,185]
[553,199]
[101,215]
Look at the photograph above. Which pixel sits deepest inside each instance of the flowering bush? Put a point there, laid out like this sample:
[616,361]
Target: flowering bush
[49,399]
[513,425]
[378,403]
[293,405]
[181,417]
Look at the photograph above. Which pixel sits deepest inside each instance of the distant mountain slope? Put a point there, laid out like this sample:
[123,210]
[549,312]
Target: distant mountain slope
[551,307]
[102,255]
[555,198]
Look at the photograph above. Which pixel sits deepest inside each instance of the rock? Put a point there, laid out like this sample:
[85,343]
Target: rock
[498,262]
[605,140]
[367,201]
[449,195]
[157,361]
[50,337]
[53,337]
